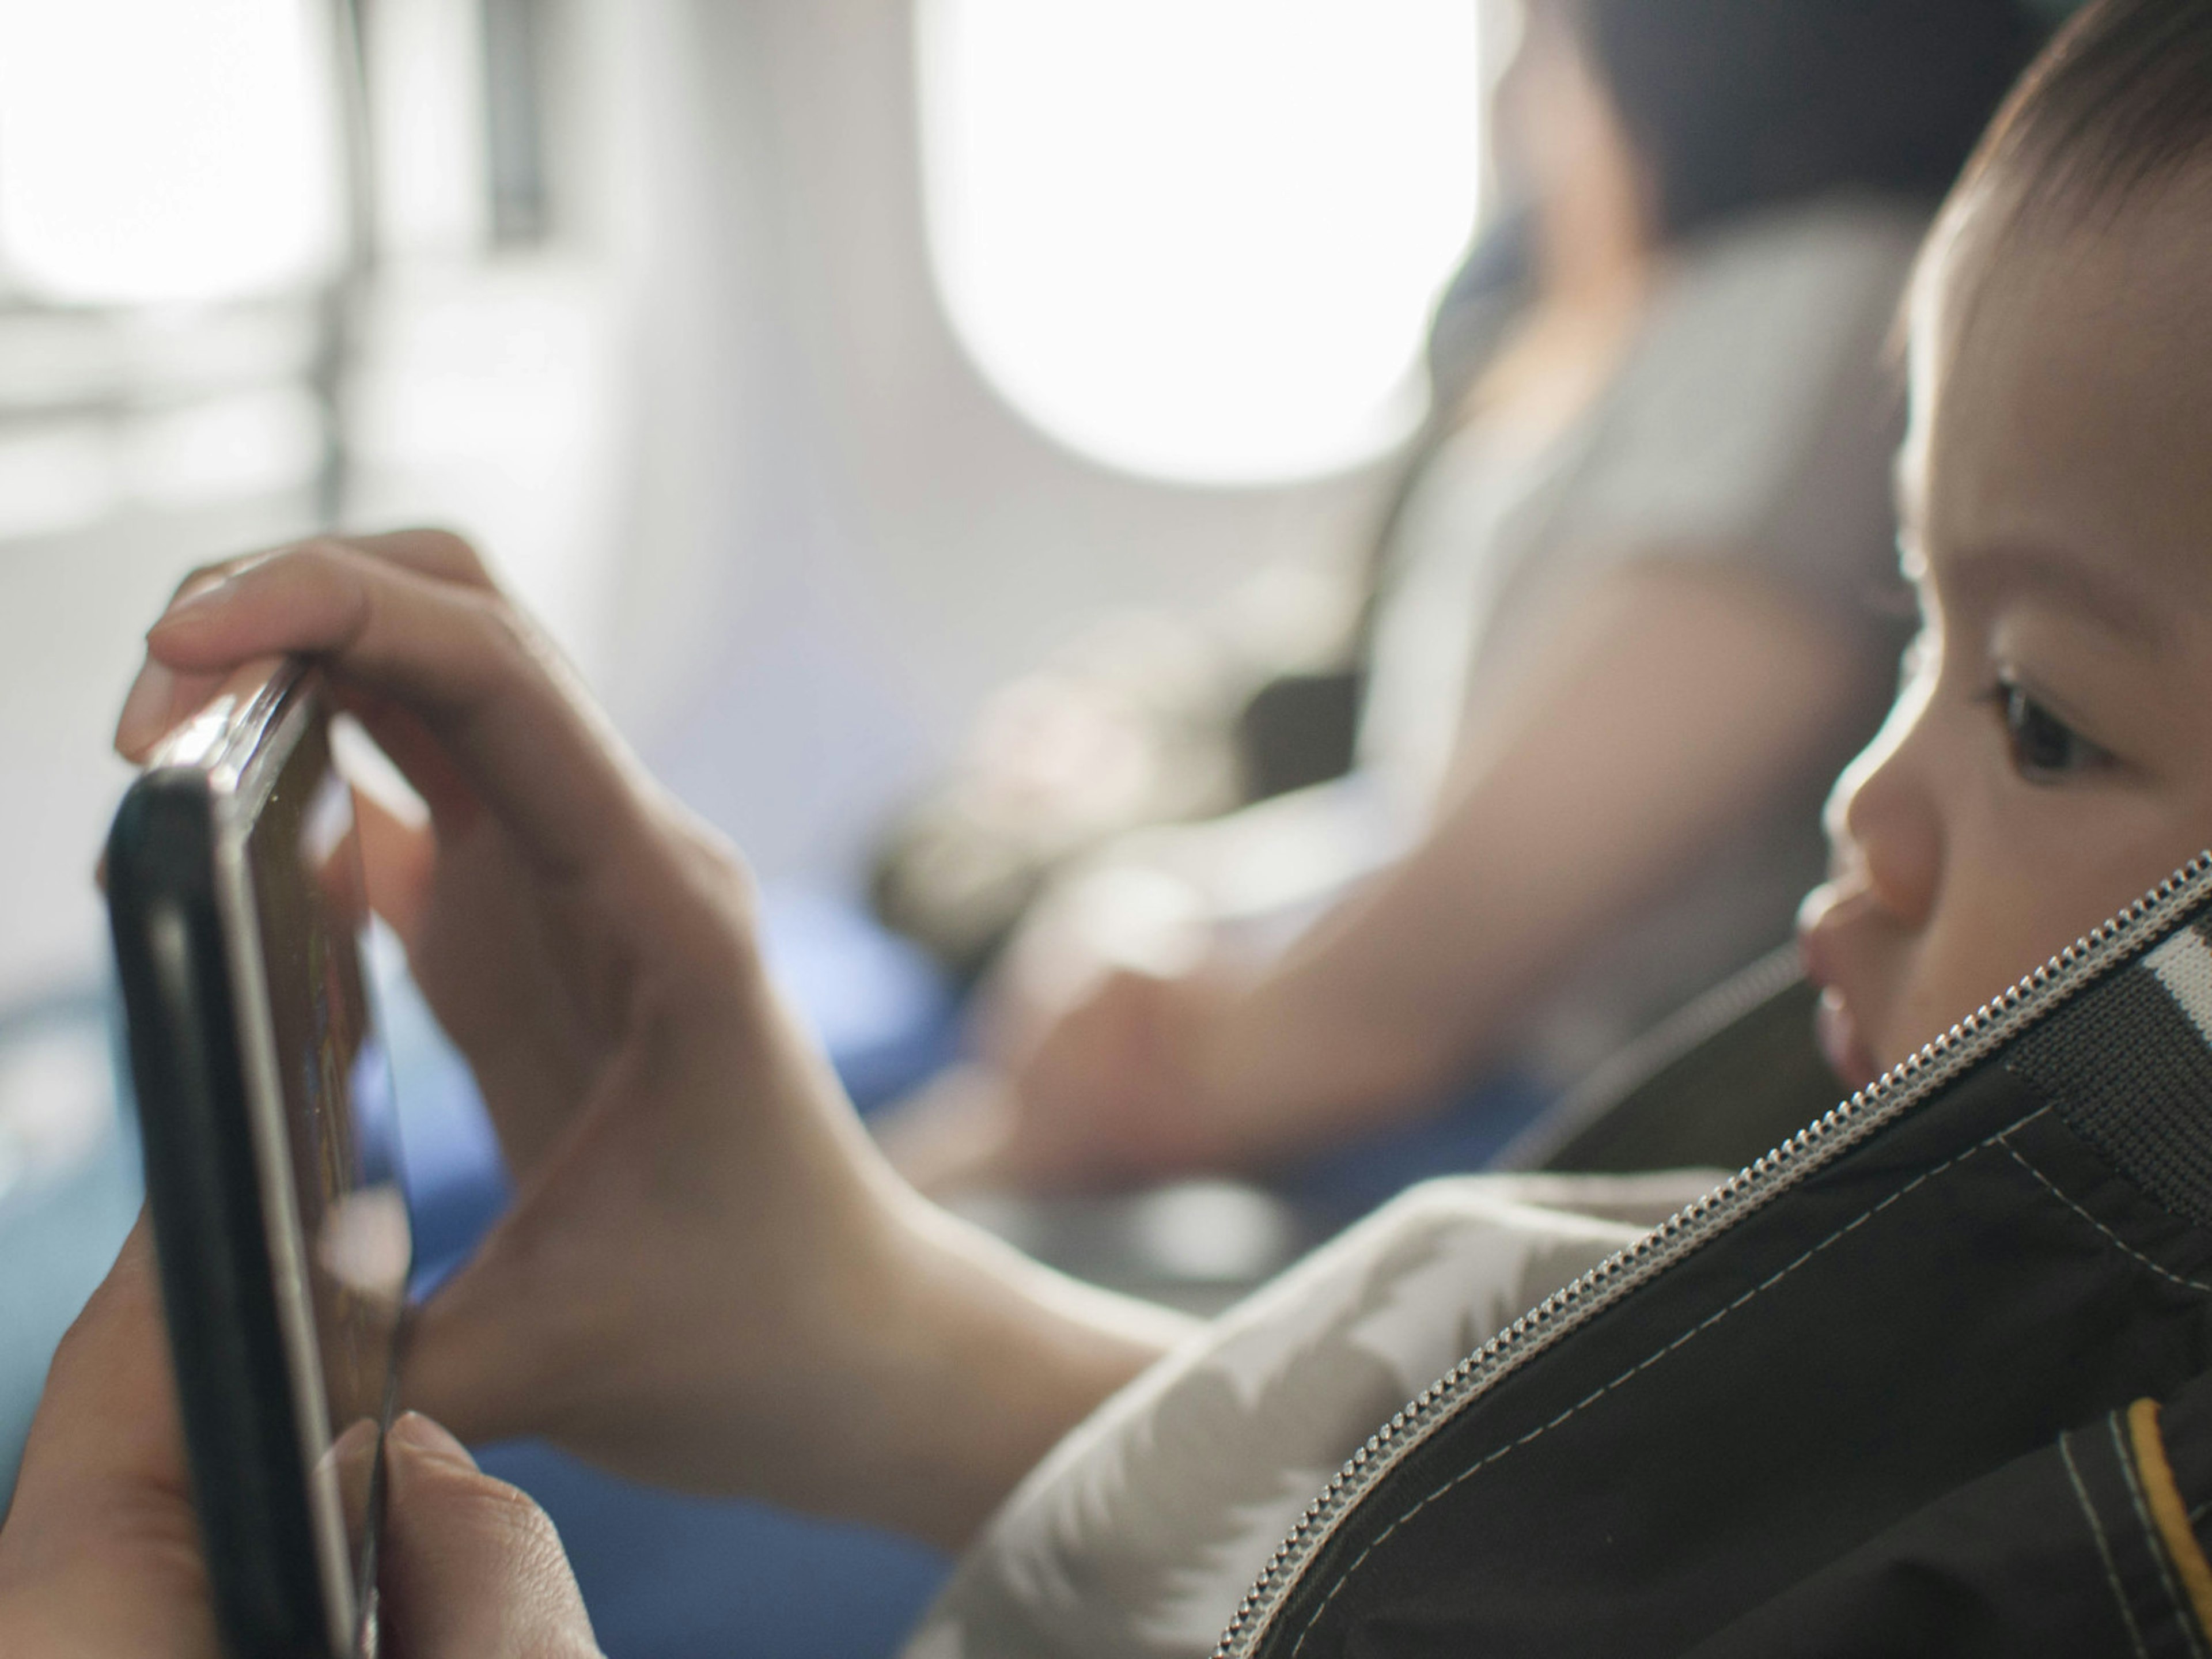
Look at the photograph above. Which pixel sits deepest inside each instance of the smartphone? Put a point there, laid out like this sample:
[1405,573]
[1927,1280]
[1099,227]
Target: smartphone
[236,899]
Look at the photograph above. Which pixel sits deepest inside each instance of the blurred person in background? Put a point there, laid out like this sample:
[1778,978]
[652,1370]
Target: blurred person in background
[1634,608]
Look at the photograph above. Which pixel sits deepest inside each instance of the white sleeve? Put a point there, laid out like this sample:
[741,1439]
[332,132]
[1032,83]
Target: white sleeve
[1137,1534]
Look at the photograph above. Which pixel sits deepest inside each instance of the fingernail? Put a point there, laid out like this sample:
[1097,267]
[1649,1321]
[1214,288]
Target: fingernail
[416,1433]
[192,603]
[146,710]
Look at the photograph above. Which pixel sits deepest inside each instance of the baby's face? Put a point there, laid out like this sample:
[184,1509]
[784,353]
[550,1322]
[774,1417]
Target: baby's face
[2050,756]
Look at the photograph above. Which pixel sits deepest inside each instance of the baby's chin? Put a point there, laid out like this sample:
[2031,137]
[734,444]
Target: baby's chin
[1864,1037]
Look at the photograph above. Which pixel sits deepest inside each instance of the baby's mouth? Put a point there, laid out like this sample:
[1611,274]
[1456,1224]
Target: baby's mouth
[1828,911]
[1841,1044]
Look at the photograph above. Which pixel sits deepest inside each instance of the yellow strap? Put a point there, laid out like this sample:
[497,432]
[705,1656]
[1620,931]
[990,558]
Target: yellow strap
[2168,1512]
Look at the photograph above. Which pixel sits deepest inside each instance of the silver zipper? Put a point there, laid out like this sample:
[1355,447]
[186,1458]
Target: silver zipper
[1895,1093]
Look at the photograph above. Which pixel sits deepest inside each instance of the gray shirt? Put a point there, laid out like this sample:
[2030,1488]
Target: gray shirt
[1750,427]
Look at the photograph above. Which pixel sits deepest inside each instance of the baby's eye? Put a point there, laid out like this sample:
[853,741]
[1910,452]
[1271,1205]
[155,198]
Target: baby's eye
[2044,749]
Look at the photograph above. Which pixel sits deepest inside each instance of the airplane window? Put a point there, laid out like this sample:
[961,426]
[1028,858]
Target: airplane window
[1200,238]
[182,323]
[153,153]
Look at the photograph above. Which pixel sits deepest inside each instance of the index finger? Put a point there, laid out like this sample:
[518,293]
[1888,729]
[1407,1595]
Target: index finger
[494,692]
[438,553]
[159,699]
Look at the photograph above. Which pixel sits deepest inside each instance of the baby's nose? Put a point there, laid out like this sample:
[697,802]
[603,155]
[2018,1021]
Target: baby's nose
[1884,837]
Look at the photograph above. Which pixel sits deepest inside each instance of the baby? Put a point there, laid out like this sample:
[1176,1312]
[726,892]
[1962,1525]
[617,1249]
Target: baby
[2049,757]
[2051,751]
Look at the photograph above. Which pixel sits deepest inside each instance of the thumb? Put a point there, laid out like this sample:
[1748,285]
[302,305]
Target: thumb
[472,1569]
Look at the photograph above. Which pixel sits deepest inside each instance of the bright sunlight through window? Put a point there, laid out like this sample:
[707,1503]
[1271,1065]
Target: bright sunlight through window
[1200,238]
[153,152]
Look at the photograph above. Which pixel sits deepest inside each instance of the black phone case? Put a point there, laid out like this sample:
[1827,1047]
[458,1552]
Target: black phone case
[232,1383]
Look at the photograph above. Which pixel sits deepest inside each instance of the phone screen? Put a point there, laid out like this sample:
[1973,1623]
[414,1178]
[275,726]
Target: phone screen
[303,860]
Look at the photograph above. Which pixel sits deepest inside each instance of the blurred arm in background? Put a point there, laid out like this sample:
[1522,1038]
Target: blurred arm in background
[1672,705]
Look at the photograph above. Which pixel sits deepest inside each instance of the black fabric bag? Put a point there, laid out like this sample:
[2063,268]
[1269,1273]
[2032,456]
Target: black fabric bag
[1885,1392]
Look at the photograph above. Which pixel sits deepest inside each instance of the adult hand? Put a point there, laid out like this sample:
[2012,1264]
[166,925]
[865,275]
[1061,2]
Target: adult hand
[1117,1089]
[100,1555]
[1113,1091]
[708,1277]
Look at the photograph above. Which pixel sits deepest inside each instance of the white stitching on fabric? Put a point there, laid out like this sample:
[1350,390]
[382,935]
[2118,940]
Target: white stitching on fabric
[2152,1545]
[2117,1242]
[1706,1324]
[2104,1549]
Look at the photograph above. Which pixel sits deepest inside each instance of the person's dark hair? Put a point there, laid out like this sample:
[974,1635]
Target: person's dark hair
[1737,104]
[2121,100]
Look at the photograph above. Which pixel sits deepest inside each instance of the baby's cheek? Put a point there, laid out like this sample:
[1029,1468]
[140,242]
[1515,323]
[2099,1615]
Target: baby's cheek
[1971,956]
[2014,925]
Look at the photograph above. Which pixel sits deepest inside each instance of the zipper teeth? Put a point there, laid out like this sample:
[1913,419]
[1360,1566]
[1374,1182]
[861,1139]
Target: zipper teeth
[1894,1092]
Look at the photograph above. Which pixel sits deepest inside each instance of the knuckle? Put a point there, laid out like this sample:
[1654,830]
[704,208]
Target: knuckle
[706,941]
[323,573]
[493,639]
[514,650]
[720,868]
[722,891]
[505,629]
[322,558]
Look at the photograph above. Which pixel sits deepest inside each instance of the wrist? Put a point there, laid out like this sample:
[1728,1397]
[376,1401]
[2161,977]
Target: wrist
[983,1362]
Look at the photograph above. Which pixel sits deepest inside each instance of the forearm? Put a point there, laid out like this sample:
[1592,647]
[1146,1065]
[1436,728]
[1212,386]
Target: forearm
[988,1363]
[909,1385]
[937,1364]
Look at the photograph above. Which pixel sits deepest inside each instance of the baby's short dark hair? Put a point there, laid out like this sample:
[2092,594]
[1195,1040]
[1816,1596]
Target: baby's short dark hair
[2121,100]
